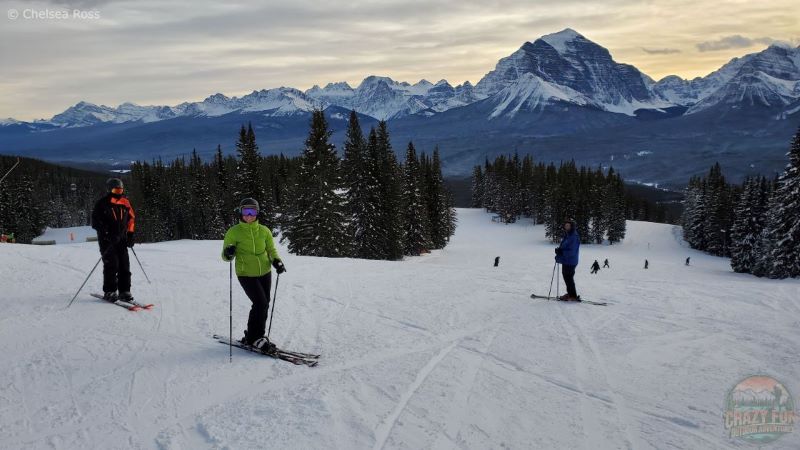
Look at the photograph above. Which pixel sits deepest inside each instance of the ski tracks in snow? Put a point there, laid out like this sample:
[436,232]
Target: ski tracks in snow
[385,428]
[591,369]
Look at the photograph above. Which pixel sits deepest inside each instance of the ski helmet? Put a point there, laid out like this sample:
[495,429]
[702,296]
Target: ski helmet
[248,203]
[113,183]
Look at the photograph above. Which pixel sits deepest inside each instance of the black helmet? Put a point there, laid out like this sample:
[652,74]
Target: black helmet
[112,183]
[248,203]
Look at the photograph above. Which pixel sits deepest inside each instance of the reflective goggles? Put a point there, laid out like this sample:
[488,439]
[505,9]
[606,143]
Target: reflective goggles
[249,212]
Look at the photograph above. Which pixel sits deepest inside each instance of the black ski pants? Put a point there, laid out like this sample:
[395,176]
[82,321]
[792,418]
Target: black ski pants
[258,291]
[569,279]
[116,266]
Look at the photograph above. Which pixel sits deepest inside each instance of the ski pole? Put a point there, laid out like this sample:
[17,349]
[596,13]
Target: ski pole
[10,170]
[140,266]
[90,274]
[274,297]
[230,310]
[550,291]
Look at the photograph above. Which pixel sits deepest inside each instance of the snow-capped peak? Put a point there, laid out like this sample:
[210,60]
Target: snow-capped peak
[560,40]
[531,93]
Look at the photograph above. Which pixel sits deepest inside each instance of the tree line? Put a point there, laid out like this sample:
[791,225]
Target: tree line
[512,188]
[364,205]
[757,224]
[37,194]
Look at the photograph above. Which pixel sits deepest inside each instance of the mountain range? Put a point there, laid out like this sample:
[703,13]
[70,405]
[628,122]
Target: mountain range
[559,97]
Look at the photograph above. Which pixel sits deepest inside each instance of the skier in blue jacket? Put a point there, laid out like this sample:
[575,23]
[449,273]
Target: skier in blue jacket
[567,256]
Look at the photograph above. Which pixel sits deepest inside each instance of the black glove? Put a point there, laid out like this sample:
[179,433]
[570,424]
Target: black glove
[278,265]
[230,252]
[130,239]
[559,251]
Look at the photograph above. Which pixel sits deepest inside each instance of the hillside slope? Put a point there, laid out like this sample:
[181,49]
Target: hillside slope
[442,351]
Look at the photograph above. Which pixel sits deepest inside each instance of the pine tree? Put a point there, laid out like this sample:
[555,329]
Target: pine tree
[417,226]
[249,180]
[389,178]
[781,237]
[359,181]
[694,213]
[598,222]
[224,197]
[205,214]
[371,243]
[477,187]
[317,225]
[749,224]
[715,226]
[615,207]
[438,202]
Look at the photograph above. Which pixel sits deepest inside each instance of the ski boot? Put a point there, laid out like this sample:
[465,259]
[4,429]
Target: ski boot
[264,345]
[110,296]
[125,296]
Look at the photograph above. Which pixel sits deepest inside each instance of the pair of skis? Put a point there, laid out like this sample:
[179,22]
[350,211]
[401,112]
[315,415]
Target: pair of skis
[298,358]
[130,305]
[579,300]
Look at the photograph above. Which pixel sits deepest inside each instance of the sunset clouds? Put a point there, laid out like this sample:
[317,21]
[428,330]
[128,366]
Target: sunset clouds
[154,52]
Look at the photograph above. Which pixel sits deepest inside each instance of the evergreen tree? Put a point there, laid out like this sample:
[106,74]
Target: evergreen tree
[717,207]
[781,237]
[477,187]
[598,222]
[249,180]
[439,202]
[318,224]
[226,203]
[417,226]
[389,178]
[360,184]
[615,207]
[371,243]
[749,224]
[206,220]
[694,214]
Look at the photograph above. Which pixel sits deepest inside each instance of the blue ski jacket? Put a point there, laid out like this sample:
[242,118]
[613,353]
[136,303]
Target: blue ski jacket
[570,246]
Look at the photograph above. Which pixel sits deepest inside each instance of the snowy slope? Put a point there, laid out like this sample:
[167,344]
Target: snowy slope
[70,235]
[441,352]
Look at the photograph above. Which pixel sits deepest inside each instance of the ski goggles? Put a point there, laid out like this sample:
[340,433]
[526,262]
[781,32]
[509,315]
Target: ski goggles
[117,191]
[249,212]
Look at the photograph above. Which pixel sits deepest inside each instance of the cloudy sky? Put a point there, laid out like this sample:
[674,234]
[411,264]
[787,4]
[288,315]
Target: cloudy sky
[167,52]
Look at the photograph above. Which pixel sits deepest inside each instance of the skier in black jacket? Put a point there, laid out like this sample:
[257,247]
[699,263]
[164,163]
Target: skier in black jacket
[595,267]
[113,218]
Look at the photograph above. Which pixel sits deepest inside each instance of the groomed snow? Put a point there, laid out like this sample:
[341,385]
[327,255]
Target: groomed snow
[442,351]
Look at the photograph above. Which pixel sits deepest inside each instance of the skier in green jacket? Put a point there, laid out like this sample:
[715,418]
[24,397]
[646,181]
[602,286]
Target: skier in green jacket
[251,244]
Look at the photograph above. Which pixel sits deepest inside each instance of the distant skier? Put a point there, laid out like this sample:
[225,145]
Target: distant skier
[605,264]
[567,256]
[251,244]
[646,264]
[113,219]
[687,260]
[595,267]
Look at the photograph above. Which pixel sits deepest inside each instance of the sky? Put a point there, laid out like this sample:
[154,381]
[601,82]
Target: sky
[56,53]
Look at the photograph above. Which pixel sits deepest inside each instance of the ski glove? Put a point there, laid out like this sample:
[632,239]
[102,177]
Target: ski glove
[559,251]
[130,240]
[230,252]
[278,265]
